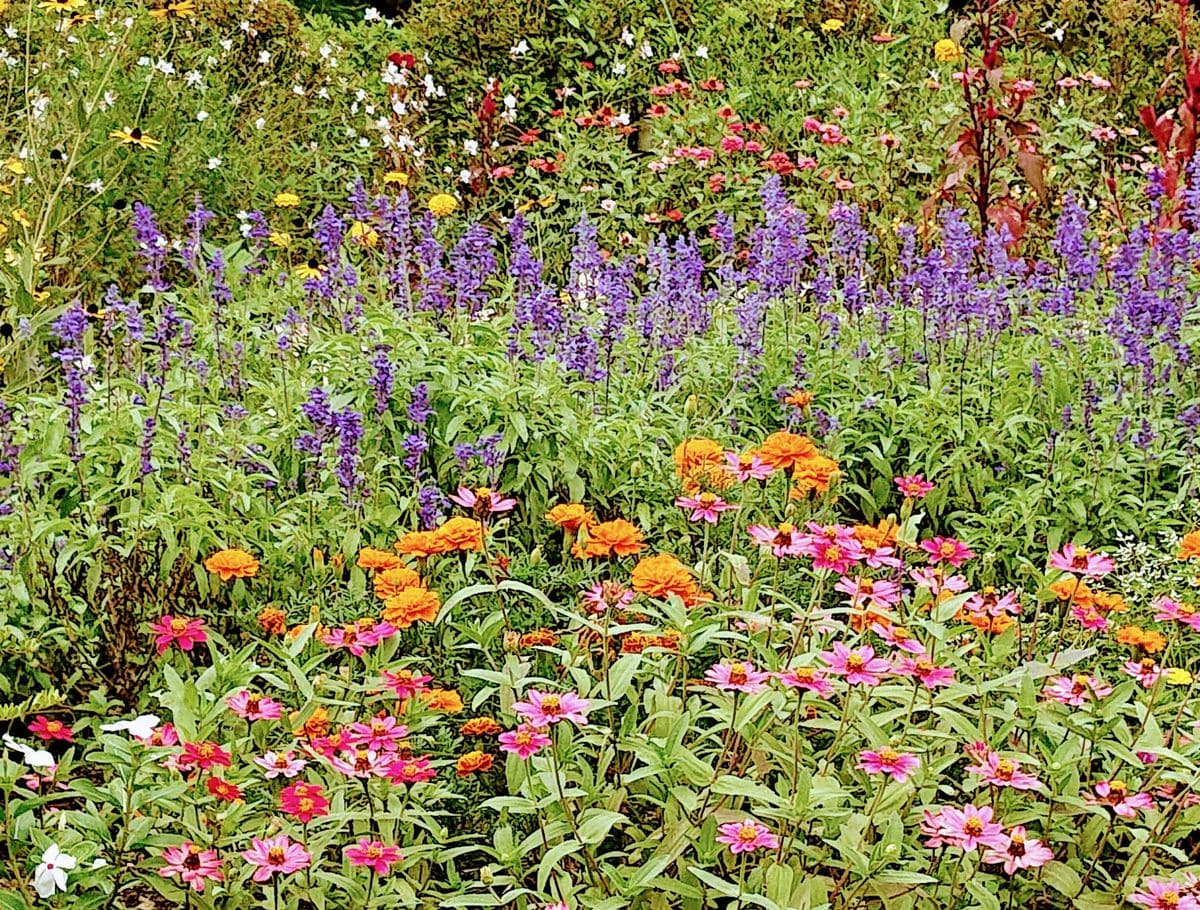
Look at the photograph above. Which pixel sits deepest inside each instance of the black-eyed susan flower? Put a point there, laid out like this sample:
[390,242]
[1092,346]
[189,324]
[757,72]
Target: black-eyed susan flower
[395,178]
[134,136]
[280,239]
[363,234]
[61,6]
[310,269]
[442,204]
[286,200]
[180,9]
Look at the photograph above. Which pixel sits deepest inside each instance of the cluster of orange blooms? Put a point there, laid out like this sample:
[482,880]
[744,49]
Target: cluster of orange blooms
[405,598]
[1080,594]
[701,464]
[637,642]
[1150,641]
[458,534]
[663,576]
[1189,547]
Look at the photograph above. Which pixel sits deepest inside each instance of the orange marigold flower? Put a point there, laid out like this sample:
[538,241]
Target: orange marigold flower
[1109,603]
[663,575]
[694,453]
[1150,641]
[1189,547]
[446,700]
[480,726]
[316,726]
[472,762]
[235,563]
[993,624]
[1074,590]
[411,605]
[783,450]
[537,637]
[461,533]
[420,544]
[872,537]
[814,474]
[611,538]
[272,620]
[798,398]
[391,582]
[370,558]
[570,516]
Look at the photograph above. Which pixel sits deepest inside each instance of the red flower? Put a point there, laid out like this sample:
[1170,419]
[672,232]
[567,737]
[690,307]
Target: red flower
[223,789]
[47,729]
[203,755]
[402,61]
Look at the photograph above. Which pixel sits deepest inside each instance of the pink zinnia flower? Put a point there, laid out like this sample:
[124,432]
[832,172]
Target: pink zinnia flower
[274,855]
[363,762]
[970,827]
[166,735]
[993,603]
[203,755]
[412,771]
[859,667]
[303,802]
[1147,672]
[705,507]
[737,676]
[276,763]
[607,595]
[869,592]
[747,467]
[1168,610]
[186,633]
[48,730]
[1115,794]
[900,765]
[783,541]
[1019,851]
[947,549]
[898,637]
[913,486]
[382,734]
[1090,618]
[747,836]
[924,669]
[1161,895]
[193,865]
[1079,561]
[545,708]
[1003,772]
[374,854]
[406,683]
[482,500]
[524,741]
[809,678]
[936,580]
[249,706]
[1076,690]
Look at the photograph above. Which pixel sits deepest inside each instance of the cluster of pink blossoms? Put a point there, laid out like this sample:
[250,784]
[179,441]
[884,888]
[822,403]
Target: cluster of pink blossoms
[540,711]
[972,828]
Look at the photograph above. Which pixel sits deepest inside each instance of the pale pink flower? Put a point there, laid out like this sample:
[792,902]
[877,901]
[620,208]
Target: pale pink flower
[1115,794]
[249,706]
[1147,672]
[545,708]
[993,603]
[1168,610]
[859,666]
[192,864]
[937,581]
[482,500]
[783,541]
[1019,851]
[899,765]
[276,763]
[878,593]
[737,676]
[362,762]
[276,855]
[524,741]
[746,836]
[747,467]
[1157,894]
[1076,690]
[923,668]
[374,854]
[969,827]
[1003,772]
[607,595]
[1079,561]
[705,507]
[898,637]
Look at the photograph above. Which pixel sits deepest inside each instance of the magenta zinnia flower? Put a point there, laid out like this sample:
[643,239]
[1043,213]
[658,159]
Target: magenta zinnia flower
[192,864]
[482,500]
[607,595]
[1145,671]
[1168,610]
[859,667]
[913,486]
[412,771]
[737,676]
[869,592]
[747,467]
[783,541]
[705,507]
[809,678]
[277,763]
[48,730]
[924,669]
[1076,690]
[1019,851]
[969,827]
[277,854]
[382,734]
[524,741]
[186,633]
[947,549]
[1079,561]
[203,755]
[545,708]
[374,854]
[249,706]
[1003,772]
[406,683]
[1161,895]
[899,765]
[747,836]
[1115,794]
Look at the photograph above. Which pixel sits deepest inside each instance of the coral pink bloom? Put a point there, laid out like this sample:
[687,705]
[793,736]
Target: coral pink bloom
[545,708]
[406,683]
[186,633]
[859,667]
[1090,618]
[607,595]
[193,865]
[277,763]
[705,507]
[382,734]
[747,836]
[249,706]
[1076,690]
[809,678]
[783,541]
[203,755]
[1020,852]
[993,603]
[303,802]
[898,637]
[878,593]
[1079,561]
[482,500]
[924,669]
[747,467]
[1168,610]
[276,855]
[1147,672]
[46,729]
[374,854]
[1003,772]
[900,765]
[947,549]
[969,827]
[412,771]
[913,486]
[1115,794]
[1161,895]
[523,741]
[737,676]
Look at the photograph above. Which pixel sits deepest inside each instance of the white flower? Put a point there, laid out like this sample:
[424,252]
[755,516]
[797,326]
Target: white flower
[619,69]
[627,37]
[35,758]
[51,873]
[264,56]
[140,727]
[96,186]
[201,116]
[471,147]
[519,49]
[701,52]
[371,15]
[260,123]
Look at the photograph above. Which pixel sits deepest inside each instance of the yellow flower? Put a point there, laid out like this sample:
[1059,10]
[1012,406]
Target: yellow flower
[134,136]
[180,9]
[832,25]
[287,200]
[21,217]
[363,234]
[947,51]
[442,204]
[395,178]
[61,6]
[310,269]
[280,239]
[15,166]
[1177,676]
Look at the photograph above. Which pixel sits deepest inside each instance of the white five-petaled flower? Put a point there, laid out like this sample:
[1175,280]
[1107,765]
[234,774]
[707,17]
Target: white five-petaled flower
[140,727]
[51,874]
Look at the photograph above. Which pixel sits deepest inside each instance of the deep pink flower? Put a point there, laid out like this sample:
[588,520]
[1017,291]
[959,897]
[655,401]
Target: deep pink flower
[969,827]
[947,549]
[186,633]
[482,500]
[406,683]
[203,755]
[737,676]
[810,678]
[1018,851]
[878,593]
[48,730]
[783,541]
[1168,610]
[192,864]
[277,854]
[1079,561]
[303,802]
[993,603]
[705,507]
[249,706]
[374,854]
[1076,690]
[412,771]
[859,666]
[1003,772]
[382,734]
[1115,794]
[524,741]
[913,486]
[545,708]
[899,765]
[924,669]
[747,836]
[607,595]
[1146,671]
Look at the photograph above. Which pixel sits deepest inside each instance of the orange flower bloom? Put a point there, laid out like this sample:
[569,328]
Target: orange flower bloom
[391,582]
[538,637]
[460,533]
[446,700]
[699,463]
[370,558]
[813,474]
[480,726]
[783,450]
[637,642]
[410,605]
[872,537]
[993,624]
[472,762]
[799,398]
[663,575]
[1189,547]
[228,564]
[1073,590]
[570,516]
[1148,640]
[420,544]
[316,726]
[610,538]
[272,620]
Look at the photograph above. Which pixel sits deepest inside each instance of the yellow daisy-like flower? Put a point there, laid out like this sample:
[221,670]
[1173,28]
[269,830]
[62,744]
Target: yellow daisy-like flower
[15,166]
[363,234]
[62,6]
[133,135]
[395,178]
[180,9]
[832,25]
[286,200]
[442,204]
[310,269]
[280,239]
[1177,676]
[21,217]
[947,51]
